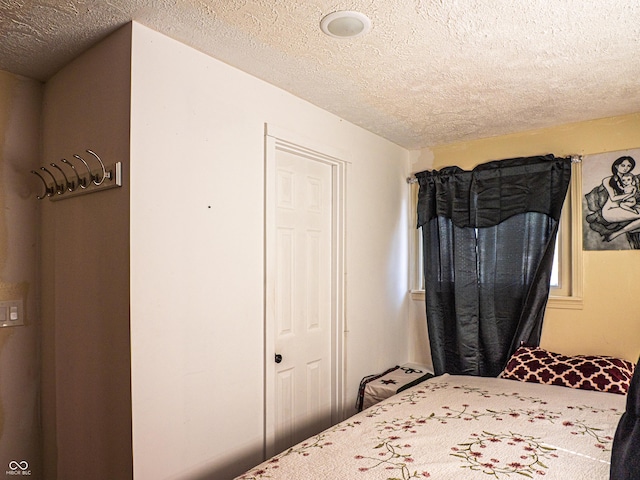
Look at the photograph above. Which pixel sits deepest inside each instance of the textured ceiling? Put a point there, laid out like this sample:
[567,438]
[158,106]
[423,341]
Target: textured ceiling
[429,72]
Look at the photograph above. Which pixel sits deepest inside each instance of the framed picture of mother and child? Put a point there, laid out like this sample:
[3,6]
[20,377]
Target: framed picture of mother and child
[611,201]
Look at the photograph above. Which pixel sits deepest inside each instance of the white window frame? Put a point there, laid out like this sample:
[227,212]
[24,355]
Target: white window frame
[415,239]
[568,295]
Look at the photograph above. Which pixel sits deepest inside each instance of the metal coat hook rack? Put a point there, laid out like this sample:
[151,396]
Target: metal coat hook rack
[71,180]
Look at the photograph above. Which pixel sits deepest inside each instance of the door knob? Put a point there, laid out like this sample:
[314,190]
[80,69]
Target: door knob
[278,358]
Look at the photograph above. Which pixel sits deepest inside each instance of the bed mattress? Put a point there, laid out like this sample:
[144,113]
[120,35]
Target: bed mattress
[462,427]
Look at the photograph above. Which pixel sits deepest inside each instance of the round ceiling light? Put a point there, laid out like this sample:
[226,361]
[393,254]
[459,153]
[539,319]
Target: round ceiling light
[345,24]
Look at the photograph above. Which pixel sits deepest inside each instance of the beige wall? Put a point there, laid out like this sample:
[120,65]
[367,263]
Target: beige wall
[85,273]
[20,428]
[609,322]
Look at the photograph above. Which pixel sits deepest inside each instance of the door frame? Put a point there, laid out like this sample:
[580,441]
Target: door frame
[277,139]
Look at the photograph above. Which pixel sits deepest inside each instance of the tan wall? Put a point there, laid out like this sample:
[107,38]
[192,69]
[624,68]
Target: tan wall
[609,322]
[20,438]
[85,273]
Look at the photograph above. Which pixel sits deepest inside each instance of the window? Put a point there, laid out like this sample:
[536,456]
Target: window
[566,279]
[415,254]
[566,285]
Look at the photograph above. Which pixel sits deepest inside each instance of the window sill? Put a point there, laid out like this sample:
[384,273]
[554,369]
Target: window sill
[417,295]
[568,303]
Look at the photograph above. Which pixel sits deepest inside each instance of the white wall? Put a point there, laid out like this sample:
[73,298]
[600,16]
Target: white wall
[197,211]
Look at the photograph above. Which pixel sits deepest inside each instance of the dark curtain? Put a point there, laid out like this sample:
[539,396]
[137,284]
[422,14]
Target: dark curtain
[625,461]
[488,243]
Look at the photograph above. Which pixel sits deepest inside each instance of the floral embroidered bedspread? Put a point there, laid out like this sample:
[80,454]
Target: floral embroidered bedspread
[460,427]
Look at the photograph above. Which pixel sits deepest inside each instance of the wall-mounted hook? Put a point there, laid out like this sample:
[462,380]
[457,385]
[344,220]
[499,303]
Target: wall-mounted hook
[82,183]
[48,191]
[59,189]
[86,166]
[67,184]
[105,174]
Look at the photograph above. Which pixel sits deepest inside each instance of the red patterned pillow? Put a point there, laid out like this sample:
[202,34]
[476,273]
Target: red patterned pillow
[587,372]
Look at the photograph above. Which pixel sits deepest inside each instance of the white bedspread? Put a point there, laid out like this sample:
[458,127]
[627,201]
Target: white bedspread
[459,427]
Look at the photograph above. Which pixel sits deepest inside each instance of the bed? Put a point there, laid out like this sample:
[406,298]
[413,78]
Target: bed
[464,427]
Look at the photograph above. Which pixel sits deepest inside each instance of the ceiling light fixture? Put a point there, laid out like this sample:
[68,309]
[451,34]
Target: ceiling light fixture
[345,24]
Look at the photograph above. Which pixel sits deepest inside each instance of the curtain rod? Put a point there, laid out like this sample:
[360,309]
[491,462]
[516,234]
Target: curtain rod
[575,158]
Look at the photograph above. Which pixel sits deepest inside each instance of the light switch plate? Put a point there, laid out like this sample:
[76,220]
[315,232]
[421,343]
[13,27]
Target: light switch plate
[11,313]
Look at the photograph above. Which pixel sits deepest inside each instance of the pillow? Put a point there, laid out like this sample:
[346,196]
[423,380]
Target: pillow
[587,372]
